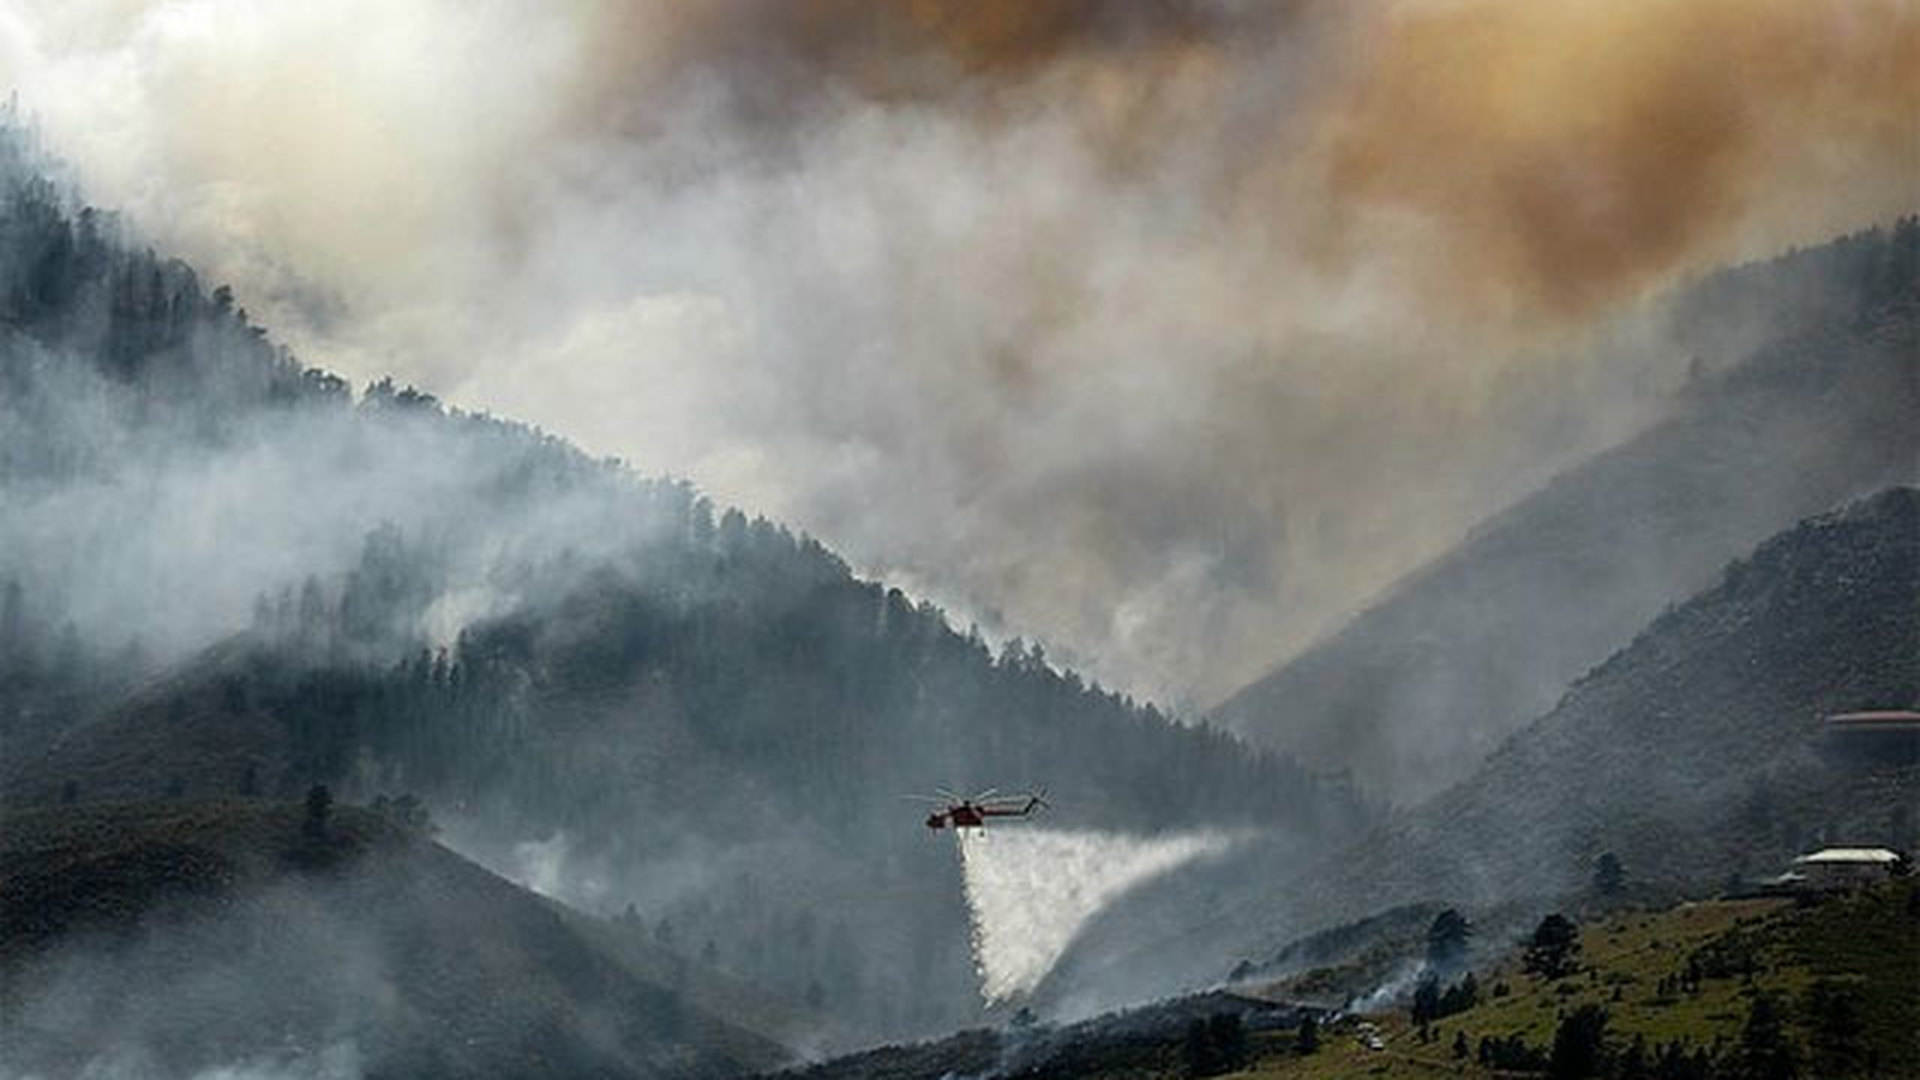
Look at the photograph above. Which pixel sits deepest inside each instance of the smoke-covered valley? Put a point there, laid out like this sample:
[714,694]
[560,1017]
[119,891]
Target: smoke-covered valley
[1405,352]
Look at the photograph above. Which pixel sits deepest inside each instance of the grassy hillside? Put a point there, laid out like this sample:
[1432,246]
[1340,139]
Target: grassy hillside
[168,938]
[1862,952]
[1843,976]
[1415,691]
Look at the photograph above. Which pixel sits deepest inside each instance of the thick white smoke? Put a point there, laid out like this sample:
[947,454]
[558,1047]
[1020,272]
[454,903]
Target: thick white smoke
[1398,987]
[1165,331]
[1029,891]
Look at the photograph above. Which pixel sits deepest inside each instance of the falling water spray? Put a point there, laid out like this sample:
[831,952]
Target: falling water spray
[1029,891]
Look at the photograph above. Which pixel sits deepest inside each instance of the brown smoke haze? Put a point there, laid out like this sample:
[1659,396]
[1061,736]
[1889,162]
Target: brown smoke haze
[1571,151]
[1167,332]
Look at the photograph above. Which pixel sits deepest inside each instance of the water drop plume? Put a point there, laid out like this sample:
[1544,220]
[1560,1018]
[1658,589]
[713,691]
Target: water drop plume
[1029,891]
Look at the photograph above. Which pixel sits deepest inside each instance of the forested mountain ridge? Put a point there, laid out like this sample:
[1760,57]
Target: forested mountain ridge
[1807,379]
[227,576]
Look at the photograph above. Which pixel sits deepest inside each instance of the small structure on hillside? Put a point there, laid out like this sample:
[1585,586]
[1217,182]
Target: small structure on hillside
[1846,868]
[1901,721]
[1888,736]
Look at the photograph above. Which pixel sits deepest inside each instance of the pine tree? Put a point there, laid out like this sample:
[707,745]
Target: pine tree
[1764,1052]
[1834,1028]
[1426,1001]
[1553,950]
[1447,940]
[1307,1039]
[1609,877]
[1579,1044]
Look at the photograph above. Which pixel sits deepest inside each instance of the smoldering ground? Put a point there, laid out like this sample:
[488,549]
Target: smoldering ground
[1168,332]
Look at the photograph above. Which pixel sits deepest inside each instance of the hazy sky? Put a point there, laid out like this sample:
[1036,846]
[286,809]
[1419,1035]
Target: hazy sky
[1166,332]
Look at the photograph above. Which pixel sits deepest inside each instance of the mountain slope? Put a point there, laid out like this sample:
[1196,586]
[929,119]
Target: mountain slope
[226,574]
[1694,753]
[1414,691]
[167,939]
[1661,752]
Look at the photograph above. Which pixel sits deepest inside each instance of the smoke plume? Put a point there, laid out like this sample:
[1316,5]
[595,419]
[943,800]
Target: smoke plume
[1167,332]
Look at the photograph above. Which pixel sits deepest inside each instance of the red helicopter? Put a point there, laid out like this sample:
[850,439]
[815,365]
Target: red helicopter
[959,813]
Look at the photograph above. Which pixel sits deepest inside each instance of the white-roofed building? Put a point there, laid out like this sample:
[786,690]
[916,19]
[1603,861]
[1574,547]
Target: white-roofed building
[1844,868]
